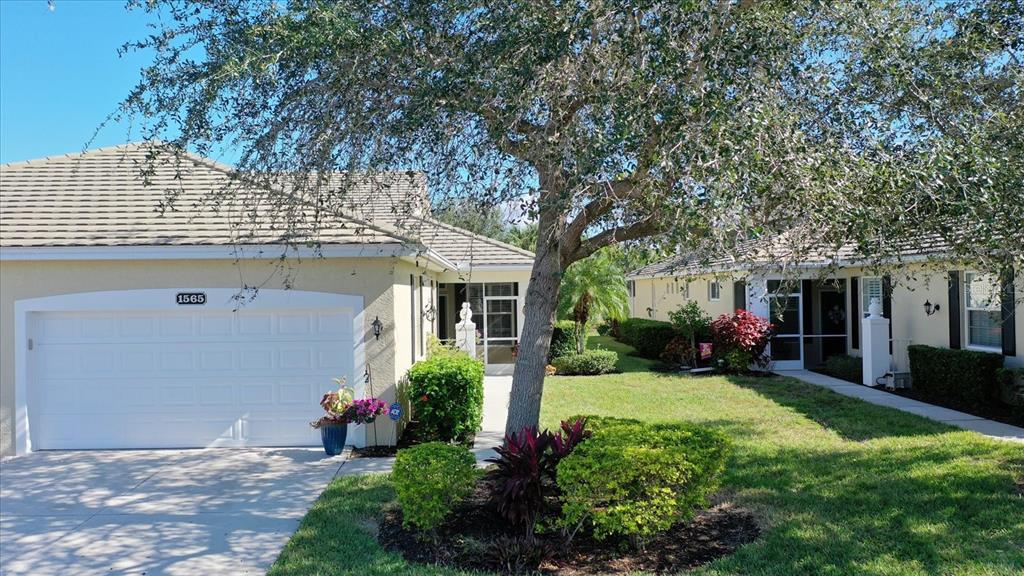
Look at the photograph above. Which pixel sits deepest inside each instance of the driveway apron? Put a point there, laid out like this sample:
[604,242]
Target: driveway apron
[215,511]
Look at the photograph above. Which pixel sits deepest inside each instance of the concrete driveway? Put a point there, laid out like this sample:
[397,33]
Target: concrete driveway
[154,512]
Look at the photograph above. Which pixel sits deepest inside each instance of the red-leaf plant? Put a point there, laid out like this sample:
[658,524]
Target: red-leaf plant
[524,472]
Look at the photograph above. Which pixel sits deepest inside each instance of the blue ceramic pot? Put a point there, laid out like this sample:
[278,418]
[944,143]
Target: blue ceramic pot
[333,437]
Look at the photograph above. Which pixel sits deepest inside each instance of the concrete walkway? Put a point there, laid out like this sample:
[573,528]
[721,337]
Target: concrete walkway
[215,511]
[492,432]
[963,420]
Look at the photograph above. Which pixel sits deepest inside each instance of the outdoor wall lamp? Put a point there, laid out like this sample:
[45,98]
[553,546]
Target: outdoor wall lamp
[929,309]
[377,326]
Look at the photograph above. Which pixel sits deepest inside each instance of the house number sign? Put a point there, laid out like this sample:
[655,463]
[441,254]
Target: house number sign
[191,298]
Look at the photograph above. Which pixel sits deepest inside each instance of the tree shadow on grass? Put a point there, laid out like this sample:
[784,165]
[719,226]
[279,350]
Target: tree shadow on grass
[918,507]
[848,417]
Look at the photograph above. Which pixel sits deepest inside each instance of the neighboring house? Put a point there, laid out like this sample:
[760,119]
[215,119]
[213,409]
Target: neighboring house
[817,307]
[122,327]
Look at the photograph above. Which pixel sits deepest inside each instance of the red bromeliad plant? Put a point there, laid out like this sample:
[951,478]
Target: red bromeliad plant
[524,473]
[740,340]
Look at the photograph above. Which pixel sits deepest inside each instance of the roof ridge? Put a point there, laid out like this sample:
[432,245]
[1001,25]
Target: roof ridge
[84,152]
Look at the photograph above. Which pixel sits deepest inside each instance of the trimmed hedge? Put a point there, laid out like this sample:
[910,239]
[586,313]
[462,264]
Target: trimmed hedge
[430,479]
[563,340]
[648,337]
[965,377]
[849,368]
[589,363]
[447,397]
[637,479]
[1011,386]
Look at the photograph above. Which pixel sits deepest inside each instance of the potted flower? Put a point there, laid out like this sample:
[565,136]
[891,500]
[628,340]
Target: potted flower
[341,410]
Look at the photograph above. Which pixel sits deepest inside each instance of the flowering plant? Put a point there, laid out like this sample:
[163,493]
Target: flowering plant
[365,410]
[740,340]
[341,408]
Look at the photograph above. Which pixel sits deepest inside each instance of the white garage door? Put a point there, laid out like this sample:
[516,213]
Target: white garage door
[185,377]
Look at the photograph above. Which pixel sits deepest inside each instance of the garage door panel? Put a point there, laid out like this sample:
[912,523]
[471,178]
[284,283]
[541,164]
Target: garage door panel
[184,379]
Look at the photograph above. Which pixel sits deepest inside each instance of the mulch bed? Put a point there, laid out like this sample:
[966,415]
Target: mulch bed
[410,437]
[999,412]
[476,538]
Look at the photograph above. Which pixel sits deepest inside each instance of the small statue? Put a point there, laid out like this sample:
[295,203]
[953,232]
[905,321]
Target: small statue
[465,331]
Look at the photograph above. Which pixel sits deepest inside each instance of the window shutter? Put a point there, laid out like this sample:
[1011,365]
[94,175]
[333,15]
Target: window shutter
[887,304]
[739,295]
[1007,302]
[955,310]
[855,315]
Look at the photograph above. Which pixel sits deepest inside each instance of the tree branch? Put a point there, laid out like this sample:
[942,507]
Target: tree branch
[640,229]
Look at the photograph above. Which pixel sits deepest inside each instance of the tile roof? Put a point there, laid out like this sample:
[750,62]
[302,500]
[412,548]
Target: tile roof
[102,197]
[775,254]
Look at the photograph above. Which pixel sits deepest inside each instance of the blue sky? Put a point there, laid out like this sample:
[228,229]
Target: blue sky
[60,75]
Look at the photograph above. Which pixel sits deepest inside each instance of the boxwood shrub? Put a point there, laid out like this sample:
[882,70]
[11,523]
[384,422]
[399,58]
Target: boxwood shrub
[429,480]
[849,368]
[649,337]
[563,339]
[637,479]
[965,378]
[589,363]
[447,397]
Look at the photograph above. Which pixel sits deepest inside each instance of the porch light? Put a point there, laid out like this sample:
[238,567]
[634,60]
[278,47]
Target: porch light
[929,309]
[377,326]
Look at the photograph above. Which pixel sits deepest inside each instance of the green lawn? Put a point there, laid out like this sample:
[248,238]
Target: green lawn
[843,487]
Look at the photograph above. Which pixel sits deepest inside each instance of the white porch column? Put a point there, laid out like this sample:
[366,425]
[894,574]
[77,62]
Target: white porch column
[875,345]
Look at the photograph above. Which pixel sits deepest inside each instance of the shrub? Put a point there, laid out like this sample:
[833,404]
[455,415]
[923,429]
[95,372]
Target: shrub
[1011,385]
[740,340]
[589,363]
[635,479]
[964,377]
[849,368]
[603,329]
[679,350]
[648,337]
[429,480]
[524,471]
[435,348]
[692,324]
[447,396]
[563,340]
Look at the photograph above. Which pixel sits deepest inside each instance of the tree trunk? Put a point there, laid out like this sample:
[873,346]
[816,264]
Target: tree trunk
[540,308]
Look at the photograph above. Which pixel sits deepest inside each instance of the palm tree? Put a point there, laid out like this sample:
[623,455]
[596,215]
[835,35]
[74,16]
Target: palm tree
[593,288]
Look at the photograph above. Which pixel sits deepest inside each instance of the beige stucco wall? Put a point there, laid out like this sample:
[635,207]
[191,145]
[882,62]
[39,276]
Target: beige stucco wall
[379,281]
[666,295]
[912,286]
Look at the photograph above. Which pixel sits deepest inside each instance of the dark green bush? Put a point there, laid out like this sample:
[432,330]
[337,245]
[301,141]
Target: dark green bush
[849,368]
[636,479]
[447,397]
[429,480]
[966,378]
[563,339]
[1011,385]
[603,329]
[649,337]
[589,363]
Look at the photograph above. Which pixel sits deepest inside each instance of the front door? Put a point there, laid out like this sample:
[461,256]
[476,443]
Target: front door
[786,313]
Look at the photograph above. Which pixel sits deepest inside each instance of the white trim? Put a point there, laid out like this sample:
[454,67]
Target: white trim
[164,299]
[195,252]
[976,347]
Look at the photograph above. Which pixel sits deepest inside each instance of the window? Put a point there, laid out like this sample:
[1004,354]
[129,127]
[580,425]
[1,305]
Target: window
[631,286]
[981,306]
[714,290]
[869,288]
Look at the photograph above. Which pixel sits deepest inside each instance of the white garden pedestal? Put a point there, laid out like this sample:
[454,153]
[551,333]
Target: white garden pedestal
[875,345]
